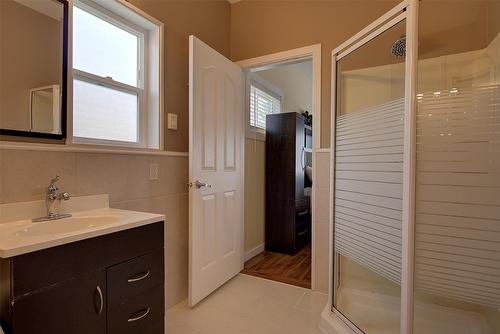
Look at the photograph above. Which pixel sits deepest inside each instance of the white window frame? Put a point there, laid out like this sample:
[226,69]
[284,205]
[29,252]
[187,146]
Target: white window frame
[254,132]
[149,126]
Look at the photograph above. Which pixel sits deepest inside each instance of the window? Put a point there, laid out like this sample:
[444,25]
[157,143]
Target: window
[262,103]
[112,103]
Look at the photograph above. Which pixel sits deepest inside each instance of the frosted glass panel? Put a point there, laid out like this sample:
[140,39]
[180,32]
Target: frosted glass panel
[457,223]
[104,113]
[104,49]
[368,152]
[457,228]
[368,187]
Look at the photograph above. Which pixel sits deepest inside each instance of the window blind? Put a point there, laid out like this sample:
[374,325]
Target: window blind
[262,103]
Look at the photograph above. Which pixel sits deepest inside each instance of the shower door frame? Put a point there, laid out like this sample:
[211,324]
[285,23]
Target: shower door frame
[406,10]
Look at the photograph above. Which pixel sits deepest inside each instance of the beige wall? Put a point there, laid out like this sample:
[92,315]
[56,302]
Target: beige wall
[30,57]
[209,20]
[255,166]
[493,10]
[264,27]
[295,82]
[24,174]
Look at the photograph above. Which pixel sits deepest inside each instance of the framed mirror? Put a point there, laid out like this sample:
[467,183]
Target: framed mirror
[33,68]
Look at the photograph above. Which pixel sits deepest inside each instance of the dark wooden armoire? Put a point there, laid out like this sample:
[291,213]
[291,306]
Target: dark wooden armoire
[288,204]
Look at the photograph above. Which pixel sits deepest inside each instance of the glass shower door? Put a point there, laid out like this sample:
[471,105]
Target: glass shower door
[368,172]
[457,225]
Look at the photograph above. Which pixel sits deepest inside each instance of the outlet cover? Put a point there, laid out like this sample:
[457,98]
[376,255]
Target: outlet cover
[172,121]
[154,171]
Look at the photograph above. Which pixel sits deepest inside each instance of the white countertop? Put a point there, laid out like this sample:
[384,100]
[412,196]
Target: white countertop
[88,221]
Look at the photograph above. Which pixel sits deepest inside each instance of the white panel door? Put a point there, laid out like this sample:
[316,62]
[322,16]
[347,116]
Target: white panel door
[216,139]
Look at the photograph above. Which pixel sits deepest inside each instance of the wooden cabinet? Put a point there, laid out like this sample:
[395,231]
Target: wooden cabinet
[288,214]
[108,284]
[74,306]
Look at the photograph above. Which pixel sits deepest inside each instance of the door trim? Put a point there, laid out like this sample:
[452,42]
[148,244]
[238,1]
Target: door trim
[312,52]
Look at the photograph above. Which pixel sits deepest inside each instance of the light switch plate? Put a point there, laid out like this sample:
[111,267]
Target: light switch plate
[172,121]
[154,171]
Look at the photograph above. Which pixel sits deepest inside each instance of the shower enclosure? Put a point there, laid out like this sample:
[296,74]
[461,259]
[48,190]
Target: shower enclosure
[416,171]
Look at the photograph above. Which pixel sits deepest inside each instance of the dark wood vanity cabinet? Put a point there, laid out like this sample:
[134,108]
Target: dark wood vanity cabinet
[288,214]
[68,307]
[109,284]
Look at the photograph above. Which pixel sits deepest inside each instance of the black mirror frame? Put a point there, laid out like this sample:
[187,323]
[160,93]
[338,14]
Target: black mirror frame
[64,90]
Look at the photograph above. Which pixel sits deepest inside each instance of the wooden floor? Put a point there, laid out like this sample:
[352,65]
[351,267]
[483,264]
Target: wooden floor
[290,269]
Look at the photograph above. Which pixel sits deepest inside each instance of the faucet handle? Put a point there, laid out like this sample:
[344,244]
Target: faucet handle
[65,196]
[54,180]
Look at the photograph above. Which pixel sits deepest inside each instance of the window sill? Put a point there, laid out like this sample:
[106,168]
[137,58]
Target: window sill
[74,148]
[255,134]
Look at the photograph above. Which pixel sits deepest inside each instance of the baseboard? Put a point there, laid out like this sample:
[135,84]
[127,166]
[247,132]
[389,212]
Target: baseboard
[254,252]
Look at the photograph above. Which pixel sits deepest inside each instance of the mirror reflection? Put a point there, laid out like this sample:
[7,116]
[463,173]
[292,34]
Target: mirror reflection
[31,65]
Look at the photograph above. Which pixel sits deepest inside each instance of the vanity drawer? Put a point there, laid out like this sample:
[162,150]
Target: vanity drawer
[142,314]
[73,259]
[131,278]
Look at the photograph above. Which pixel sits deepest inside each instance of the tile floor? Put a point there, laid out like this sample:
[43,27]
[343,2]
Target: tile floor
[250,305]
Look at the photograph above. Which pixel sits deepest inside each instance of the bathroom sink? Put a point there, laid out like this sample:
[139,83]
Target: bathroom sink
[91,217]
[68,225]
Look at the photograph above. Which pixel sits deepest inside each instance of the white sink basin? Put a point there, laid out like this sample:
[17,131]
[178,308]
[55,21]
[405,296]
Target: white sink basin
[92,217]
[68,225]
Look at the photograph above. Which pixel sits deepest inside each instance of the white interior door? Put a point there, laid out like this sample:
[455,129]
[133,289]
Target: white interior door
[216,148]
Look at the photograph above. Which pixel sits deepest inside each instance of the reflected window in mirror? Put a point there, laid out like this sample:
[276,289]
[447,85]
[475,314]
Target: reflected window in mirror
[33,65]
[115,76]
[45,109]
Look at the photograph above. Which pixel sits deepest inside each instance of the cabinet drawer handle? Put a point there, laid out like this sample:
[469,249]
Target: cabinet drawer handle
[303,213]
[135,317]
[98,294]
[303,232]
[139,277]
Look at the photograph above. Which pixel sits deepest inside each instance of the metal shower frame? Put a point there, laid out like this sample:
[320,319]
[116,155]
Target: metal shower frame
[406,10]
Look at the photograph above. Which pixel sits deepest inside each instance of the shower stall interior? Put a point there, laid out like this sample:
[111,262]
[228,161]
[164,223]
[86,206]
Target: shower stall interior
[415,170]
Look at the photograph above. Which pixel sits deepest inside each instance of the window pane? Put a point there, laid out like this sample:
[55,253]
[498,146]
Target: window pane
[262,104]
[104,113]
[103,49]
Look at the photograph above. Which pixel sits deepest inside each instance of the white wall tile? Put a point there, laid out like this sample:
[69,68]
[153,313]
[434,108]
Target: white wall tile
[25,174]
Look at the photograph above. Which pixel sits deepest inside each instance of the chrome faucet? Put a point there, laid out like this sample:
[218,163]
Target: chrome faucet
[52,200]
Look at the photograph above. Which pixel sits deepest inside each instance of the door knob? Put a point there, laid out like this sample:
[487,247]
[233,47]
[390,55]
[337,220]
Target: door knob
[198,184]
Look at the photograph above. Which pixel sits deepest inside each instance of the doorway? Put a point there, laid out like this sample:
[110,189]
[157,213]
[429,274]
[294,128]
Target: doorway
[216,162]
[281,98]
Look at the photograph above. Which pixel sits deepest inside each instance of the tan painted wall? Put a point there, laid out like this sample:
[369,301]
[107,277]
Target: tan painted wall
[30,57]
[264,27]
[255,166]
[295,81]
[493,10]
[24,174]
[209,20]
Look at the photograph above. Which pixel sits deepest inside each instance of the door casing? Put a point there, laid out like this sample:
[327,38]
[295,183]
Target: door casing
[312,52]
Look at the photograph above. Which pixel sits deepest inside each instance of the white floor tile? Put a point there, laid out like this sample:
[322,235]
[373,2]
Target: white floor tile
[250,305]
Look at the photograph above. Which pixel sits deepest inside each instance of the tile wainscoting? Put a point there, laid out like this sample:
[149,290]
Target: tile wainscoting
[25,174]
[321,222]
